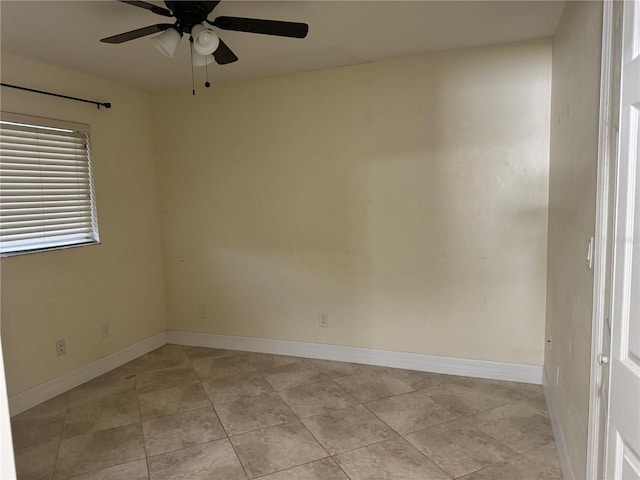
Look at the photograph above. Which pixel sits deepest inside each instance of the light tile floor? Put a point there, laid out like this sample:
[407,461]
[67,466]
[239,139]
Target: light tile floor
[198,413]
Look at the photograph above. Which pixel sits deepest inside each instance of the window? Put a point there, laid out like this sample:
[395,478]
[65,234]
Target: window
[46,186]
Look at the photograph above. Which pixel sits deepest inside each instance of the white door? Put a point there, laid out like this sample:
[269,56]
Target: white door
[623,433]
[7,467]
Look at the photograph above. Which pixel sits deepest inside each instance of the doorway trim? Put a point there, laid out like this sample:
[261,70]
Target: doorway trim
[607,138]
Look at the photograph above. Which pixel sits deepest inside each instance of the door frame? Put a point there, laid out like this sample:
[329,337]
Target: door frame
[7,461]
[611,62]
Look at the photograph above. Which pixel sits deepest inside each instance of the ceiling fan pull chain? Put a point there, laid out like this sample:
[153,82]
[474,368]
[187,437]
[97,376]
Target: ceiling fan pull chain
[193,83]
[206,71]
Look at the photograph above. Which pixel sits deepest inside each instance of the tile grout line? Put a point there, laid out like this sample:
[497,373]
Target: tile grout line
[94,432]
[461,415]
[305,427]
[466,420]
[407,441]
[64,422]
[365,446]
[509,460]
[147,456]
[135,390]
[144,443]
[459,418]
[301,422]
[433,461]
[298,418]
[329,456]
[261,374]
[373,413]
[340,467]
[301,465]
[358,403]
[456,417]
[489,433]
[235,452]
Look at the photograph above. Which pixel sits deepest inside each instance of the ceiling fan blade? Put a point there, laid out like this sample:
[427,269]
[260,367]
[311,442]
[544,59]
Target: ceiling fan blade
[224,55]
[140,32]
[150,6]
[265,27]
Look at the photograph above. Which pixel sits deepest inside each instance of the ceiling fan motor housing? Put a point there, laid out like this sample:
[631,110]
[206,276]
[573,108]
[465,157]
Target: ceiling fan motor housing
[189,14]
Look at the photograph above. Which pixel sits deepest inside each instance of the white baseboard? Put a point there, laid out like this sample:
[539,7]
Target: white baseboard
[558,435]
[30,398]
[413,361]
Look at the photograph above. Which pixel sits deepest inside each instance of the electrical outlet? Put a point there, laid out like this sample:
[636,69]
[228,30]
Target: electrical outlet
[202,311]
[61,347]
[106,329]
[323,320]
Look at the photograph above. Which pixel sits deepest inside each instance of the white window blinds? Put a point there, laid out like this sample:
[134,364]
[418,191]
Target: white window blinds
[46,188]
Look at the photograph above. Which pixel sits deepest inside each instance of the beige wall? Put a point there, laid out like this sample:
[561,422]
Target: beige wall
[572,194]
[69,293]
[405,198]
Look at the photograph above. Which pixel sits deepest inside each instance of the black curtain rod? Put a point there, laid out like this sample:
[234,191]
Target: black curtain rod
[98,104]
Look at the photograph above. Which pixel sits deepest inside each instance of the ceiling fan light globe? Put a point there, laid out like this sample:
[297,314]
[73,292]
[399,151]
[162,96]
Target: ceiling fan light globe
[207,47]
[198,60]
[205,41]
[167,42]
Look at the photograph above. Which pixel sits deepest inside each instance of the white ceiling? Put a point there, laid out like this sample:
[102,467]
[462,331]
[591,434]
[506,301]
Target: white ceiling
[67,33]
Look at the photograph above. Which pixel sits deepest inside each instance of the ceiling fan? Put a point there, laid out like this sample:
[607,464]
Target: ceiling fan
[191,17]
